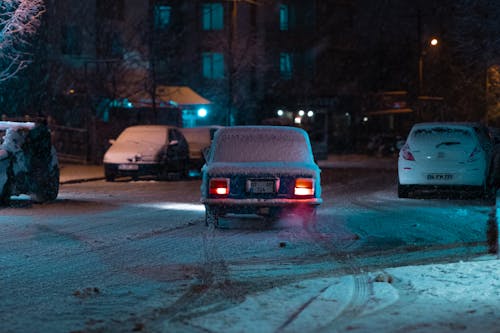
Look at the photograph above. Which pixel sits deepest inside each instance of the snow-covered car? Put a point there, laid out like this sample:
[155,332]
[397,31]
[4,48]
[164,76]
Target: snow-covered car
[28,162]
[199,139]
[263,170]
[443,155]
[147,150]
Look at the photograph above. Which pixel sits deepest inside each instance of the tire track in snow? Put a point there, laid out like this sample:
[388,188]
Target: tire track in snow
[359,296]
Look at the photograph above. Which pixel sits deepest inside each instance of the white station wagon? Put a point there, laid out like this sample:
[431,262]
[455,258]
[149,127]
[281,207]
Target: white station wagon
[441,155]
[263,170]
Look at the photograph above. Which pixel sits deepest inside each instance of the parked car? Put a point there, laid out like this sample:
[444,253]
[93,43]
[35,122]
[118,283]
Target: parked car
[384,144]
[198,139]
[264,170]
[147,150]
[441,155]
[28,162]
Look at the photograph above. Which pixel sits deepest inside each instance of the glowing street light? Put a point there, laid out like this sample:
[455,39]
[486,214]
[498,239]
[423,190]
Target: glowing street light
[280,113]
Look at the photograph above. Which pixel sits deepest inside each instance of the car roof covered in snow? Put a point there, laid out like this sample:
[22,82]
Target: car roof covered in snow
[4,125]
[261,144]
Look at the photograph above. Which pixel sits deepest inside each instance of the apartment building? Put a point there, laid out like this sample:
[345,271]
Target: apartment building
[248,58]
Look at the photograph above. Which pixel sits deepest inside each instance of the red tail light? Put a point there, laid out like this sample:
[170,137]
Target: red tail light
[406,153]
[219,186]
[304,186]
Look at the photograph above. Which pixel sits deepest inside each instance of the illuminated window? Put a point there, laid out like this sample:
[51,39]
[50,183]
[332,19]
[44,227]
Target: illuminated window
[286,65]
[284,18]
[162,16]
[71,40]
[213,65]
[212,16]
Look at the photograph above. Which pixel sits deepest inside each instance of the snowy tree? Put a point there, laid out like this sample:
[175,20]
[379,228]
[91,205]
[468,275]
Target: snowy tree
[19,20]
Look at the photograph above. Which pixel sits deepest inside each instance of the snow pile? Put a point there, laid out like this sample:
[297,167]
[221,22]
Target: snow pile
[429,298]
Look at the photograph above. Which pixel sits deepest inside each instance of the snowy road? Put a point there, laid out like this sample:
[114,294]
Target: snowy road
[136,256]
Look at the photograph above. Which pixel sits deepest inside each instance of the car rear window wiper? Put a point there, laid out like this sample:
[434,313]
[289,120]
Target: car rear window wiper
[447,143]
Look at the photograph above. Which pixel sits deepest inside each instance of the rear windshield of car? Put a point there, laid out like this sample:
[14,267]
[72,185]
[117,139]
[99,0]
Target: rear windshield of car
[261,147]
[444,135]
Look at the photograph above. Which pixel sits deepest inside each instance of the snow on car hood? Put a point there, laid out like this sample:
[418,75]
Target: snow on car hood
[132,151]
[275,168]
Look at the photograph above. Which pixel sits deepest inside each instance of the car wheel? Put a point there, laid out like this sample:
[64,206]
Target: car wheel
[211,216]
[49,188]
[185,169]
[109,177]
[489,193]
[5,195]
[6,190]
[403,191]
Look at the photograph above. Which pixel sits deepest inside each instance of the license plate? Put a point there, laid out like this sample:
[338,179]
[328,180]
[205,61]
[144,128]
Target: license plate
[128,167]
[262,186]
[439,176]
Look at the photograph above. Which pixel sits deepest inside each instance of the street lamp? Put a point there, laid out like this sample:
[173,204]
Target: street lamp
[433,42]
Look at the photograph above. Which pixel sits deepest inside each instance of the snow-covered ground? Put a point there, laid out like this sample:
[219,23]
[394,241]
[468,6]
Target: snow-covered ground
[461,296]
[136,256]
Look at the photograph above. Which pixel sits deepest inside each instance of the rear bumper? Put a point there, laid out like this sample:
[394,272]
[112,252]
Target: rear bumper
[142,170]
[263,202]
[261,206]
[414,175]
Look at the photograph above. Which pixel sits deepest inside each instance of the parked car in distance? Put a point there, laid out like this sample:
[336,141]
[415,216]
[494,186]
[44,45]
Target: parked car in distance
[147,150]
[198,139]
[445,155]
[28,162]
[263,170]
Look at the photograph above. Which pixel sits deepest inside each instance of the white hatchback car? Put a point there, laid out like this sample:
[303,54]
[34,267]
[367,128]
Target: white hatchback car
[445,155]
[147,150]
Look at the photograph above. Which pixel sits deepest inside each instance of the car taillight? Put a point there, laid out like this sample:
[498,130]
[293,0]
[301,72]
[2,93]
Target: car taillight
[474,155]
[304,186]
[406,153]
[219,186]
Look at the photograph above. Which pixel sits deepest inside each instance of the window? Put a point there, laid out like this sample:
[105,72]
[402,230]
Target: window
[284,18]
[285,65]
[71,40]
[162,16]
[213,65]
[212,16]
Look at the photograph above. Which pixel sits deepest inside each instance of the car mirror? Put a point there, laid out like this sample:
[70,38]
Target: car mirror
[173,143]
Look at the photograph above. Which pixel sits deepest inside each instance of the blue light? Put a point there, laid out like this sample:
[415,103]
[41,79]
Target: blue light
[202,113]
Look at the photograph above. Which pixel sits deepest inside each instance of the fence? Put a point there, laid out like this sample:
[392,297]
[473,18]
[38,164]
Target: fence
[72,144]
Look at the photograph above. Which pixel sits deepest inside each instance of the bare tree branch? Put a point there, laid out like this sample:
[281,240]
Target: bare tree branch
[19,20]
